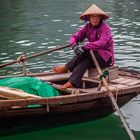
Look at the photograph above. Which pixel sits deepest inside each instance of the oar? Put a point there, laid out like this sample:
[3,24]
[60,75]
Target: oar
[109,93]
[37,54]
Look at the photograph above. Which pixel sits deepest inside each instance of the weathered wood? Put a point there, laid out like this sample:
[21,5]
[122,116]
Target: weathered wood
[87,99]
[56,77]
[113,73]
[125,81]
[94,105]
[63,76]
[133,83]
[132,137]
[128,73]
[90,80]
[85,96]
[128,81]
[12,93]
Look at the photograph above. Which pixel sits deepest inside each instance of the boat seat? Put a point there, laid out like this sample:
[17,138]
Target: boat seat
[113,73]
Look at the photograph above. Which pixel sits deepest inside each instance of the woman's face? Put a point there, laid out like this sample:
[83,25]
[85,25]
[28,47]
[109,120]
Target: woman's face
[94,20]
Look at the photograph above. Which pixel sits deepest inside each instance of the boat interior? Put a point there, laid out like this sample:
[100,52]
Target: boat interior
[91,83]
[119,82]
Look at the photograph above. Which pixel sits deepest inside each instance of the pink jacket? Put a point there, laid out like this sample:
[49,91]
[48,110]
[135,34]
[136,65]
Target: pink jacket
[99,39]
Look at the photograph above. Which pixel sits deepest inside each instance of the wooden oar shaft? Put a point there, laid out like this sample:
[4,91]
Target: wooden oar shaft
[35,55]
[48,51]
[132,137]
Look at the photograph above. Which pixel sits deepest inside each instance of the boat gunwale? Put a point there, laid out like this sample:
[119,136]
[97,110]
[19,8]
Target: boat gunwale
[66,99]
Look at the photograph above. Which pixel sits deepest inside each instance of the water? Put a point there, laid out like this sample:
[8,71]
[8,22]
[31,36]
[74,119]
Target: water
[31,26]
[105,129]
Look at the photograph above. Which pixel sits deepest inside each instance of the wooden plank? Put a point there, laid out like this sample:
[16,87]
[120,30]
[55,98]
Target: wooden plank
[15,93]
[68,98]
[118,80]
[111,86]
[58,77]
[2,97]
[129,73]
[113,72]
[123,80]
[5,104]
[91,80]
[115,87]
[133,83]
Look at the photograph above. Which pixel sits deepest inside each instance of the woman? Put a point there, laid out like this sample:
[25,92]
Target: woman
[100,40]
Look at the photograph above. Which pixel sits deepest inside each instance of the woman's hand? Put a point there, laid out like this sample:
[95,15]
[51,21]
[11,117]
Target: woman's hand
[77,50]
[87,46]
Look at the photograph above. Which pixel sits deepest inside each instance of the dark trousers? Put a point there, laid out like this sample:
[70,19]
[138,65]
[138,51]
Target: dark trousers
[79,64]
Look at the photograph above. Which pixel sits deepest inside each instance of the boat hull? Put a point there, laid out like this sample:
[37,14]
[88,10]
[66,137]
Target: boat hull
[37,119]
[68,108]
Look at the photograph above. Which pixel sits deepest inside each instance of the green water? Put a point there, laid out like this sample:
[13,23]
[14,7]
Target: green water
[32,26]
[108,128]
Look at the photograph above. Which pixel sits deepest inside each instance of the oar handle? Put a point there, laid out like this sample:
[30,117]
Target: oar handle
[37,54]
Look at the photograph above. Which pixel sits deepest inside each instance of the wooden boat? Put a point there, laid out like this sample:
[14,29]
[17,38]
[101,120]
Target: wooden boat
[73,104]
[89,102]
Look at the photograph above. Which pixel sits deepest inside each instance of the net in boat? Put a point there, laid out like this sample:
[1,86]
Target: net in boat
[30,85]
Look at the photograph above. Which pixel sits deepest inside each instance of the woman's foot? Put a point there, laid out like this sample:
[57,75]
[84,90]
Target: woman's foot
[60,69]
[66,85]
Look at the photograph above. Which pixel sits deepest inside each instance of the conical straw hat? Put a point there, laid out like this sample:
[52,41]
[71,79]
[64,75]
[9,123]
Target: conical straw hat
[94,9]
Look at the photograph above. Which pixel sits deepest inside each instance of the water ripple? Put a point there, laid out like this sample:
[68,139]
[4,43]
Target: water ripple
[22,41]
[28,44]
[56,20]
[74,25]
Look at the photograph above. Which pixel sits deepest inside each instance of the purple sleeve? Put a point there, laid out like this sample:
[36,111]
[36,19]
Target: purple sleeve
[79,36]
[104,38]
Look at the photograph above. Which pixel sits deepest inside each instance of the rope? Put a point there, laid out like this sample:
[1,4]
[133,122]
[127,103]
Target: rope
[104,74]
[47,107]
[116,94]
[21,58]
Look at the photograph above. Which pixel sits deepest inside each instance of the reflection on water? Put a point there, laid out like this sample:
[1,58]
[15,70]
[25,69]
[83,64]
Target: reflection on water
[131,111]
[35,26]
